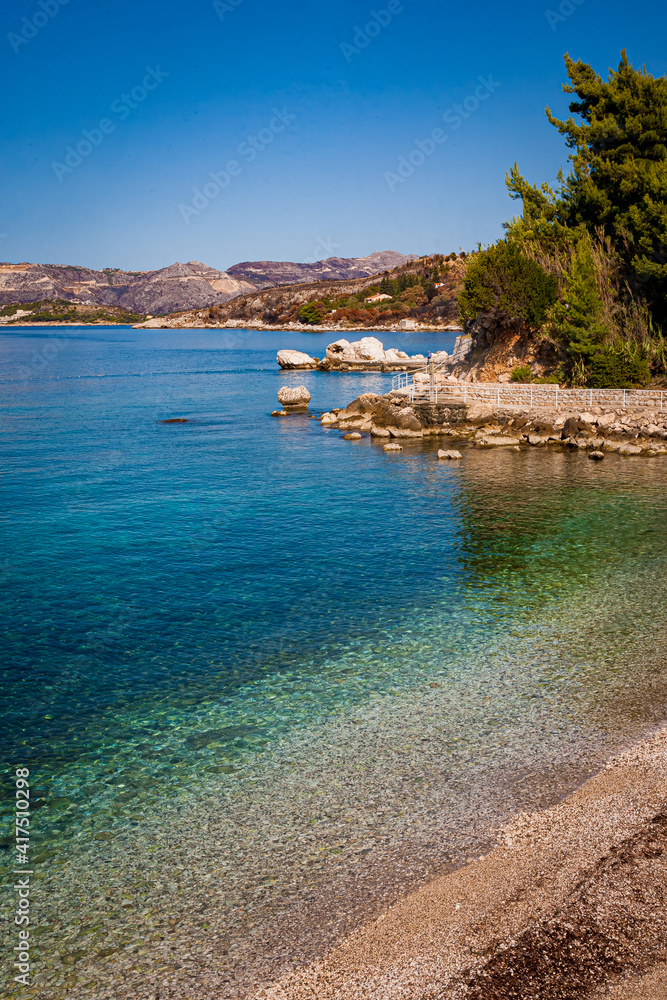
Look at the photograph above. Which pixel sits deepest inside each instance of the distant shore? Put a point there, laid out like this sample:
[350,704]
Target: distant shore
[197,322]
[289,328]
[19,325]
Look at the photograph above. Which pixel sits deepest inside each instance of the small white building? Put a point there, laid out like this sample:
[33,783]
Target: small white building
[407,324]
[380,297]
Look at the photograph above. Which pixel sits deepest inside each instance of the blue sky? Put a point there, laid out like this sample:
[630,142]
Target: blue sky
[302,120]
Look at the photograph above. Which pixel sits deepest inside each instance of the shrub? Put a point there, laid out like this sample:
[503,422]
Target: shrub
[309,313]
[522,374]
[618,368]
[504,280]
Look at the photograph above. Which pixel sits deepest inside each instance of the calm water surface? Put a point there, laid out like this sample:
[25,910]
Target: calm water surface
[242,656]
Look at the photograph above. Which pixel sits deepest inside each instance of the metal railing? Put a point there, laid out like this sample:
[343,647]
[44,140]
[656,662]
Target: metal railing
[521,394]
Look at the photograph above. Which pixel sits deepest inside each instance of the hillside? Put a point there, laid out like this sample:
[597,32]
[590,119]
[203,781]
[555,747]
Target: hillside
[180,286]
[423,290]
[176,288]
[266,273]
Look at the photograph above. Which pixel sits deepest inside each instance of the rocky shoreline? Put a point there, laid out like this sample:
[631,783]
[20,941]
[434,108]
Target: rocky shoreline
[634,431]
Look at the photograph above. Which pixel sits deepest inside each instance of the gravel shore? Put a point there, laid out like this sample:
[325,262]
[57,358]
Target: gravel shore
[571,903]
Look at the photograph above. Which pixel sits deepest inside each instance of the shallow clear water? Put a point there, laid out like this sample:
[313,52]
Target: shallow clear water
[251,656]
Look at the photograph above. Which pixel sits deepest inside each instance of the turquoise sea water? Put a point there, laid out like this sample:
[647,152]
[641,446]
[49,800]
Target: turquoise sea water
[242,656]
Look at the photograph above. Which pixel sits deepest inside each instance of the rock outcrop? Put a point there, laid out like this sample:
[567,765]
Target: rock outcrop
[367,354]
[295,360]
[294,396]
[366,349]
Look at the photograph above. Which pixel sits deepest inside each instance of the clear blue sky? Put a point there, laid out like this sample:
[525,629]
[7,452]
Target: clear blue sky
[316,184]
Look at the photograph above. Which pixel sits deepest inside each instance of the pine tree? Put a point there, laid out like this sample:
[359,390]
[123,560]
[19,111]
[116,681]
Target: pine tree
[578,315]
[618,183]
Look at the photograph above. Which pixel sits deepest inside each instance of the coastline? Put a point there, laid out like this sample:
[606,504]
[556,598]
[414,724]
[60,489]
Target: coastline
[195,322]
[219,875]
[572,898]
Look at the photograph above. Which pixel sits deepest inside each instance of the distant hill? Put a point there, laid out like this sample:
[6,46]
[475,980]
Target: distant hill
[423,291]
[268,273]
[180,286]
[175,288]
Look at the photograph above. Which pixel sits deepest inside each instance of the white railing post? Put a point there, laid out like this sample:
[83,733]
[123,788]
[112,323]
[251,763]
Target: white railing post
[624,399]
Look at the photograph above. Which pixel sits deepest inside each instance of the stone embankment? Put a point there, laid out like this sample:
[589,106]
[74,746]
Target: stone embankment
[628,432]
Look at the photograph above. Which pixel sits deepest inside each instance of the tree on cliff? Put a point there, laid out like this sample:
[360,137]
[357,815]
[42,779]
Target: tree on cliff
[617,130]
[504,282]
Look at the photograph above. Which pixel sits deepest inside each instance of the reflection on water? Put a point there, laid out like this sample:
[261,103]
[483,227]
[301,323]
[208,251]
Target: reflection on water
[247,660]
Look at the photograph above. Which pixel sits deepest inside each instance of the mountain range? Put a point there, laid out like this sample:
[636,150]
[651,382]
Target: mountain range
[268,273]
[178,287]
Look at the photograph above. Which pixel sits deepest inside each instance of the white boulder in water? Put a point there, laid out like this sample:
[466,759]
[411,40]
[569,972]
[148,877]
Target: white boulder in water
[294,395]
[369,349]
[295,359]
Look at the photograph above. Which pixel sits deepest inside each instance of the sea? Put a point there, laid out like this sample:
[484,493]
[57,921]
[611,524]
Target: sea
[265,680]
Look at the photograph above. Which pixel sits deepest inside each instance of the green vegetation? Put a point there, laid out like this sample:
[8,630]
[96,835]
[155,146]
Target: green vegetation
[425,289]
[505,282]
[578,317]
[62,311]
[618,367]
[524,373]
[600,237]
[310,313]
